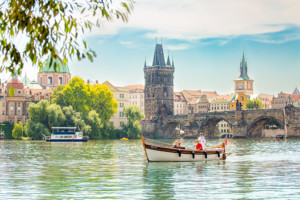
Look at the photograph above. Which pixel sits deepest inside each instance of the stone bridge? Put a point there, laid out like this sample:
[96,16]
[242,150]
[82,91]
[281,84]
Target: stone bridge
[244,123]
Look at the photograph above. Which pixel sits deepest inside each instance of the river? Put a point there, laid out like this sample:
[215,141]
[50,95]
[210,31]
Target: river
[113,169]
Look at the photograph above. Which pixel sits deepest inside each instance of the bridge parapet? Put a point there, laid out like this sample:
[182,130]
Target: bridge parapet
[244,123]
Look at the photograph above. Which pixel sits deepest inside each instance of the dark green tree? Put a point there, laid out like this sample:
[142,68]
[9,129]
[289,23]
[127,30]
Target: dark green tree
[17,132]
[250,104]
[52,29]
[134,116]
[95,124]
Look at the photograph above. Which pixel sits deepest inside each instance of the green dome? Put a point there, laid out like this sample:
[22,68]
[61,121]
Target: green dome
[61,68]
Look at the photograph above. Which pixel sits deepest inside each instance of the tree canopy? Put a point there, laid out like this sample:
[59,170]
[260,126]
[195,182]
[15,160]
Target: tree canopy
[254,104]
[52,29]
[134,116]
[85,97]
[17,132]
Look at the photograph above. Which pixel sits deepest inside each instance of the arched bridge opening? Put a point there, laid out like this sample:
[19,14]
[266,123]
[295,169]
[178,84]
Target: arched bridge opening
[210,128]
[256,128]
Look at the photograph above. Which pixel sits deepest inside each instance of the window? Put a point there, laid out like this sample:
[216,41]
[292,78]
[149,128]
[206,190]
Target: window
[121,105]
[60,80]
[49,80]
[11,109]
[122,124]
[121,96]
[19,109]
[121,114]
[41,80]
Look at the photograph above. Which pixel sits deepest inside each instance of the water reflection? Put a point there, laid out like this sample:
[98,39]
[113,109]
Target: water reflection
[118,170]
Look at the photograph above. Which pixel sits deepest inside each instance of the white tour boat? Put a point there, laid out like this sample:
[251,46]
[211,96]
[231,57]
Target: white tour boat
[66,134]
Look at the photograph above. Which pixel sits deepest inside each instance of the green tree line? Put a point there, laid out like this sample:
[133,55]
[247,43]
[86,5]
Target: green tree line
[88,107]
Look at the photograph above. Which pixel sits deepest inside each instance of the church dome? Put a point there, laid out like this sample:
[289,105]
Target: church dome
[61,68]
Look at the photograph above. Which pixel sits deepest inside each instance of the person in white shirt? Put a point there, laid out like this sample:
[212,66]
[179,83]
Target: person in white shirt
[202,141]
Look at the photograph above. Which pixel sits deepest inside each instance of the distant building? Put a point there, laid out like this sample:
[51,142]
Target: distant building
[159,89]
[266,100]
[50,78]
[219,105]
[180,104]
[283,100]
[190,94]
[241,98]
[121,94]
[136,96]
[202,104]
[296,91]
[243,84]
[14,103]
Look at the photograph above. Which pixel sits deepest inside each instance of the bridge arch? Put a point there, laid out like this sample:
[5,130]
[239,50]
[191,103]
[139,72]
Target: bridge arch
[256,126]
[209,126]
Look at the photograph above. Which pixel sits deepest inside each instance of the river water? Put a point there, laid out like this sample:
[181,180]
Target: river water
[113,169]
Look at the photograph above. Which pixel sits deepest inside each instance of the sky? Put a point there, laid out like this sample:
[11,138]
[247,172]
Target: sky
[206,40]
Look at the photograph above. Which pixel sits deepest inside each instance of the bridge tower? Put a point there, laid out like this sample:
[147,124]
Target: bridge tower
[243,84]
[159,100]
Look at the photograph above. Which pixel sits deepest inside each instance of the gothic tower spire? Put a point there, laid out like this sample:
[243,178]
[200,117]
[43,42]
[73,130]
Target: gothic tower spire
[244,68]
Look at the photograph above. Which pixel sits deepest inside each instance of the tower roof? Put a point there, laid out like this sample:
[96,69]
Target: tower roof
[168,61]
[296,91]
[26,80]
[159,59]
[61,67]
[244,69]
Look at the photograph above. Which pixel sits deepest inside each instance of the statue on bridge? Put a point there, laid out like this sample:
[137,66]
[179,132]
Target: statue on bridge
[238,105]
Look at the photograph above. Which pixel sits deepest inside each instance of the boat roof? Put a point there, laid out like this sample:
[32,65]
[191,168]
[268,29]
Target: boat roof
[71,128]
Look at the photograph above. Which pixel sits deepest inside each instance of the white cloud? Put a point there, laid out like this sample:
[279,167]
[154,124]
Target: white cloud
[195,19]
[178,47]
[128,44]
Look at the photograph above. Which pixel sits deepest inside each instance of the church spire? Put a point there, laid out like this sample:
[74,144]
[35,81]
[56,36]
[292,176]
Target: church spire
[243,68]
[145,65]
[168,60]
[159,59]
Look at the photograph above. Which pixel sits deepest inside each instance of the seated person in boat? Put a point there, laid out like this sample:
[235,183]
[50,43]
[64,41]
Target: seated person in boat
[178,145]
[201,142]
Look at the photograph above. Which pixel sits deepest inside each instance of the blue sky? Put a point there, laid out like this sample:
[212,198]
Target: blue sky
[206,38]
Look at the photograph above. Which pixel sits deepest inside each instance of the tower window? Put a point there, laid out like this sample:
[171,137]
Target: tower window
[60,80]
[49,80]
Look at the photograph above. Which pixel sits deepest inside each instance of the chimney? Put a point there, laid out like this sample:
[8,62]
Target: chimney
[88,81]
[96,81]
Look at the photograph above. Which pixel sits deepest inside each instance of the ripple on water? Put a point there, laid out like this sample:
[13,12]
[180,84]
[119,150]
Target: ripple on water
[255,169]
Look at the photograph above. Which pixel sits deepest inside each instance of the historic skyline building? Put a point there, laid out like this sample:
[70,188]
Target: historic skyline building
[243,84]
[48,78]
[159,89]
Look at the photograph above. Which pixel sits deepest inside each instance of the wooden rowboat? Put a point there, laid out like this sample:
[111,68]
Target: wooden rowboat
[160,152]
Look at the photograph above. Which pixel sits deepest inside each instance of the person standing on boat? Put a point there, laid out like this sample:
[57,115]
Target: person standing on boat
[201,142]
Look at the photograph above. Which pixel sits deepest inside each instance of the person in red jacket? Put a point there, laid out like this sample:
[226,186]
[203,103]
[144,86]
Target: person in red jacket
[201,142]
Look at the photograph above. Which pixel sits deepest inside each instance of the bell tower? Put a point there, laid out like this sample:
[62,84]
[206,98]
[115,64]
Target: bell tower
[159,86]
[243,84]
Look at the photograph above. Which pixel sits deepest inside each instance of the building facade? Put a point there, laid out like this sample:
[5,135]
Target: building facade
[50,78]
[121,94]
[240,98]
[159,97]
[180,104]
[221,105]
[14,103]
[243,84]
[136,96]
[202,104]
[266,100]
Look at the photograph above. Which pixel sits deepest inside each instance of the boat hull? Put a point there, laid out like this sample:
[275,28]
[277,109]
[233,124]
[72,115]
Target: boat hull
[162,156]
[159,154]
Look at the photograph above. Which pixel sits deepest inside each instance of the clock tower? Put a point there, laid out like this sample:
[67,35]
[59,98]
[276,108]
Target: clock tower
[243,84]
